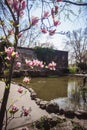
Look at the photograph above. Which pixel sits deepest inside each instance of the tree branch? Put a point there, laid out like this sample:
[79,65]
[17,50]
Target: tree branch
[10,10]
[75,3]
[25,29]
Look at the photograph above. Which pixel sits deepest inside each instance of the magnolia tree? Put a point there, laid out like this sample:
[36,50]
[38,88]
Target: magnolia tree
[18,16]
[12,33]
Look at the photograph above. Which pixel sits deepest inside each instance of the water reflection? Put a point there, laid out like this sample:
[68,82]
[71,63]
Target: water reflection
[76,97]
[66,91]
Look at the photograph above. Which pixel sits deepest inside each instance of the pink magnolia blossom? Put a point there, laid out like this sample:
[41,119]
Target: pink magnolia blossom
[52,32]
[18,64]
[53,12]
[26,111]
[43,30]
[8,58]
[16,55]
[19,35]
[23,4]
[52,65]
[16,5]
[13,109]
[34,21]
[20,89]
[21,13]
[40,64]
[33,63]
[56,23]
[11,31]
[46,14]
[26,80]
[9,52]
[29,63]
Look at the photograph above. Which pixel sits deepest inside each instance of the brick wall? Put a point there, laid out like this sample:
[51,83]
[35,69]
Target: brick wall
[60,57]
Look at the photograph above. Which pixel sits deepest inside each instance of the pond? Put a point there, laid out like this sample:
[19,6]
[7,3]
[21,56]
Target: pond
[63,90]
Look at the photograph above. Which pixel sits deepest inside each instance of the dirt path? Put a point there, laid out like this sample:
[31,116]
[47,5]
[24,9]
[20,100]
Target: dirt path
[22,100]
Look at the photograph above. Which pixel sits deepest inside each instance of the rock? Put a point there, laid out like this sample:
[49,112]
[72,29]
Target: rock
[43,104]
[53,122]
[53,115]
[67,125]
[61,111]
[69,114]
[33,95]
[37,100]
[78,115]
[43,123]
[31,90]
[52,107]
[81,114]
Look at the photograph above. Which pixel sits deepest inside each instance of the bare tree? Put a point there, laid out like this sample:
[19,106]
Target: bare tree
[77,44]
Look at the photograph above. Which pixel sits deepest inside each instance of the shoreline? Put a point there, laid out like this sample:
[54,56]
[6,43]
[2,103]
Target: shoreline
[37,111]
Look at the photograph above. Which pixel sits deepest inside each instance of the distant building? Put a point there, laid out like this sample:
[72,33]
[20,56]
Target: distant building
[44,54]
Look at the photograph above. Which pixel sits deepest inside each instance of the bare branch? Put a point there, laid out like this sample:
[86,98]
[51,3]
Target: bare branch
[13,16]
[75,3]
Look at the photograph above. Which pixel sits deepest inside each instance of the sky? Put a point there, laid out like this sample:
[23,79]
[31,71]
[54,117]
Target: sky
[78,19]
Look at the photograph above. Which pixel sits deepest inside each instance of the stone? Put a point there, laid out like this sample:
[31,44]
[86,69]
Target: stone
[37,100]
[69,114]
[53,122]
[52,107]
[61,111]
[78,115]
[81,114]
[43,104]
[33,95]
[67,125]
[31,90]
[43,123]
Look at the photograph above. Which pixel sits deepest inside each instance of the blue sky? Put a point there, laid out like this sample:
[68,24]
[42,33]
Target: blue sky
[79,20]
[76,21]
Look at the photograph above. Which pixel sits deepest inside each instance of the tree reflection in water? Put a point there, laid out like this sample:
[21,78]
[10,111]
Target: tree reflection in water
[76,98]
[77,95]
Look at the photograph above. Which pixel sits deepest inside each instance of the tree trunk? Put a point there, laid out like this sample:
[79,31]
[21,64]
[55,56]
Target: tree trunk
[3,106]
[6,95]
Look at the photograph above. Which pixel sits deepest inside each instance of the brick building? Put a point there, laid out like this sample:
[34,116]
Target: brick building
[44,54]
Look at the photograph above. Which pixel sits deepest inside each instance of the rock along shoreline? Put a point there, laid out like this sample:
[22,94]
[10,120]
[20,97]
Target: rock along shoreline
[51,107]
